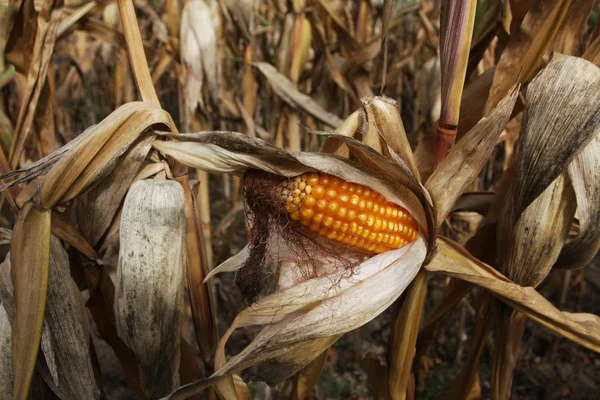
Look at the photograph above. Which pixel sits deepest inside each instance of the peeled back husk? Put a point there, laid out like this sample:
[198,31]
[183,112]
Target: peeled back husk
[149,287]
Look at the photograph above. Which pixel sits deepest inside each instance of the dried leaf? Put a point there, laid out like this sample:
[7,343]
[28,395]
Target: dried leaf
[453,260]
[522,56]
[584,172]
[317,314]
[285,89]
[562,116]
[96,208]
[67,323]
[37,66]
[404,337]
[199,55]
[468,157]
[529,244]
[149,288]
[95,155]
[30,258]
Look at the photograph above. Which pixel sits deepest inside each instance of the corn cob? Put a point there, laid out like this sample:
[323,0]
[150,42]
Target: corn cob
[347,213]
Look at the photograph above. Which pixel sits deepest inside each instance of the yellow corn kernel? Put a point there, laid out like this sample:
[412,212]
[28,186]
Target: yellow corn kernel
[347,213]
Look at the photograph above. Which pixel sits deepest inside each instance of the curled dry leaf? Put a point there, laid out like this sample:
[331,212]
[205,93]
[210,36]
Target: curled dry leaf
[285,89]
[199,54]
[149,287]
[584,172]
[453,260]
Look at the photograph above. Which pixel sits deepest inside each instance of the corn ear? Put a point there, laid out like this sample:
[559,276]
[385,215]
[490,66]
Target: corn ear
[149,287]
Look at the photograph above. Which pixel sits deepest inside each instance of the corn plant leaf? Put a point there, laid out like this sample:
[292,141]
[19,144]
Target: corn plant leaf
[36,62]
[30,258]
[529,244]
[199,54]
[584,172]
[149,287]
[95,155]
[523,55]
[67,323]
[97,207]
[569,38]
[308,377]
[404,336]
[285,89]
[455,261]
[467,158]
[562,116]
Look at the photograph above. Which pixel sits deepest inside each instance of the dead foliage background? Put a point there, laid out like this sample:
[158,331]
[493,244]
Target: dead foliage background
[110,222]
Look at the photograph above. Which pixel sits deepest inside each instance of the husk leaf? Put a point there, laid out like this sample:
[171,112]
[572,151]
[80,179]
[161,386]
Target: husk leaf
[149,288]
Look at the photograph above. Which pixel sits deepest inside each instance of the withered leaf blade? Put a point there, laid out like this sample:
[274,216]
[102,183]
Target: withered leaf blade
[95,156]
[30,258]
[149,287]
[466,159]
[584,172]
[524,53]
[199,54]
[287,92]
[97,207]
[562,115]
[529,244]
[453,260]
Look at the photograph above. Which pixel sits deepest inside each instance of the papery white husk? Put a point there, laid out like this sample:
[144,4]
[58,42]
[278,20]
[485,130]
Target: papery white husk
[327,305]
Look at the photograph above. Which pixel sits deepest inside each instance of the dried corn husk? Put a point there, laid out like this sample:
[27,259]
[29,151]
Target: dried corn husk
[305,316]
[149,287]
[584,173]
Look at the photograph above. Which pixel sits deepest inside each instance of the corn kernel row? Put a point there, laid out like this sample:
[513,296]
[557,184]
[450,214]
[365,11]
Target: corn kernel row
[348,213]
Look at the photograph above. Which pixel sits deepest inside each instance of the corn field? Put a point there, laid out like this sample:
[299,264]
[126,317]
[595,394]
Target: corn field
[305,199]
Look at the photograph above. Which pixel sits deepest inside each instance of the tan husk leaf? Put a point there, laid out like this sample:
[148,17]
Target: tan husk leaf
[230,152]
[563,114]
[529,244]
[453,260]
[584,172]
[149,287]
[318,313]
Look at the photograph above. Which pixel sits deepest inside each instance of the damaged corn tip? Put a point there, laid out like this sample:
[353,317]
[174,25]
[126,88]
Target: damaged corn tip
[347,213]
